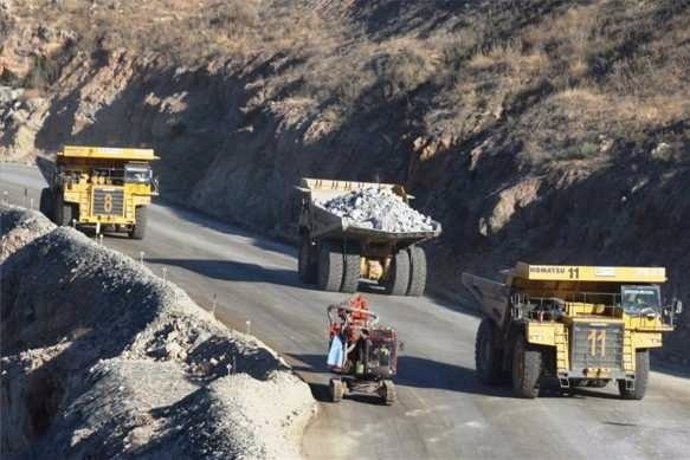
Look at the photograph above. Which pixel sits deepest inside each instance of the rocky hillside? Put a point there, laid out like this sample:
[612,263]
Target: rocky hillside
[542,130]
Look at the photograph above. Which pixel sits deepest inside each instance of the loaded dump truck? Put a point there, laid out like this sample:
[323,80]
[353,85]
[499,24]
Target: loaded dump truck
[105,188]
[577,325]
[354,231]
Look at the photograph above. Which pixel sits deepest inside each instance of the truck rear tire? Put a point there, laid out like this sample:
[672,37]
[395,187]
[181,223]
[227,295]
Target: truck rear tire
[351,268]
[140,220]
[487,357]
[399,277]
[641,378]
[417,271]
[330,266]
[306,264]
[527,367]
[46,202]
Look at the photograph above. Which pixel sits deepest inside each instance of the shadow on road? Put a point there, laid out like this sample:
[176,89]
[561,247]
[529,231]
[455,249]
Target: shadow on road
[675,370]
[259,239]
[425,373]
[230,270]
[412,372]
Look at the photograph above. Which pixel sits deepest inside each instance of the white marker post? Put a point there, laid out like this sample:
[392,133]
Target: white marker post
[165,274]
[141,257]
[100,239]
[248,323]
[214,304]
[31,204]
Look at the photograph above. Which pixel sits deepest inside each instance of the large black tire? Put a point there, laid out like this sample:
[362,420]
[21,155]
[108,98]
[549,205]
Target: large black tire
[140,218]
[351,267]
[417,271]
[527,369]
[63,213]
[46,203]
[488,358]
[330,266]
[307,261]
[641,378]
[399,276]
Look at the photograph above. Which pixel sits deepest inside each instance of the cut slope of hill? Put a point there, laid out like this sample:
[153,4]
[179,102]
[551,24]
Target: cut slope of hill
[547,130]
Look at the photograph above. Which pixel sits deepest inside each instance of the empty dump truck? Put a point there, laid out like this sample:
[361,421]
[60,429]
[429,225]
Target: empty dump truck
[101,187]
[338,251]
[578,325]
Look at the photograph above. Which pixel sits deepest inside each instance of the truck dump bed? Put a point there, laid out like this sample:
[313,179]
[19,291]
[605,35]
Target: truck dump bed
[323,223]
[491,295]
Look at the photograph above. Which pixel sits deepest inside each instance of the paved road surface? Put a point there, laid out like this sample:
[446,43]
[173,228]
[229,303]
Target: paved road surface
[442,411]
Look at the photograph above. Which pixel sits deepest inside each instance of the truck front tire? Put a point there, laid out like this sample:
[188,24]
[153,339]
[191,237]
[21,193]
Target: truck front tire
[527,367]
[641,378]
[487,357]
[417,271]
[63,213]
[330,266]
[46,202]
[399,274]
[140,220]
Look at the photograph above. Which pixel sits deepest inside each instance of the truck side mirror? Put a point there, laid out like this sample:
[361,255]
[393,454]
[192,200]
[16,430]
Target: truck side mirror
[677,307]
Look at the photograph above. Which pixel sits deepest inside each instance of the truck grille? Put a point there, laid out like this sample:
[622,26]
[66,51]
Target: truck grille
[597,345]
[108,201]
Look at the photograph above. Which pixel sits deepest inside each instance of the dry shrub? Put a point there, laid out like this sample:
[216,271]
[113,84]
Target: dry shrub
[401,70]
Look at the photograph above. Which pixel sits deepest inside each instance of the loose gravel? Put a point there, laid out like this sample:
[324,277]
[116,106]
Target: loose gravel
[102,359]
[378,208]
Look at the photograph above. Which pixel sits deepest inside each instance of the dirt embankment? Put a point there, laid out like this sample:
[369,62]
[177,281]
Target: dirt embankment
[543,130]
[100,358]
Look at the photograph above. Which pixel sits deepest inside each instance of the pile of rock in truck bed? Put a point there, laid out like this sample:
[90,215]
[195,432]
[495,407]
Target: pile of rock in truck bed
[378,208]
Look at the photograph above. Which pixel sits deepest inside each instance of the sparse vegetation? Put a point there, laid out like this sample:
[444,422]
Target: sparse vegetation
[465,102]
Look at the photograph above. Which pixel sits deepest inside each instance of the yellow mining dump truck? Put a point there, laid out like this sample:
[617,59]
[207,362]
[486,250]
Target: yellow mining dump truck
[578,325]
[337,254]
[105,188]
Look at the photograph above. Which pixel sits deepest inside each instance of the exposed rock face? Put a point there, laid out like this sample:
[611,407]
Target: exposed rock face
[531,130]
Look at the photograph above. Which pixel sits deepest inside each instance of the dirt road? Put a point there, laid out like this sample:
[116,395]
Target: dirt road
[443,412]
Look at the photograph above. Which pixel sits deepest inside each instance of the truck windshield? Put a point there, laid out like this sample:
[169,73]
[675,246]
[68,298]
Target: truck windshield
[137,174]
[636,299]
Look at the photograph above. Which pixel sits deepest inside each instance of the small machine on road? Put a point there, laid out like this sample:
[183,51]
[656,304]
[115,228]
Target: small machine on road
[578,325]
[362,352]
[105,188]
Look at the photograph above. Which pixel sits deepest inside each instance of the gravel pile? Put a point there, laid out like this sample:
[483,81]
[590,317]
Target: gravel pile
[18,227]
[379,209]
[101,359]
